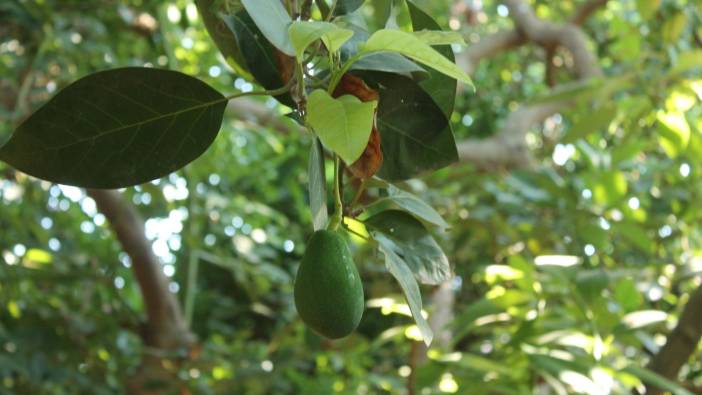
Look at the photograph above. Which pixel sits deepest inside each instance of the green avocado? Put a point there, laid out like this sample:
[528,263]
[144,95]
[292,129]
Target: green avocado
[328,289]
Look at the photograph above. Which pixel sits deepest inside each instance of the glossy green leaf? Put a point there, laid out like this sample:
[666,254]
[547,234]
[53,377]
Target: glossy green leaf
[302,34]
[118,128]
[412,141]
[317,186]
[273,20]
[258,52]
[224,38]
[402,273]
[414,244]
[391,63]
[439,37]
[408,45]
[439,86]
[412,204]
[343,124]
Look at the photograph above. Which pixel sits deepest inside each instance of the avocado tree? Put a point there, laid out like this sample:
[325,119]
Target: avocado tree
[564,188]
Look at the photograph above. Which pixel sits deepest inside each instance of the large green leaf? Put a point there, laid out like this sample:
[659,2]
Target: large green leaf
[273,21]
[258,52]
[343,124]
[223,38]
[402,273]
[118,128]
[412,141]
[391,63]
[439,86]
[409,202]
[304,33]
[407,44]
[317,186]
[414,244]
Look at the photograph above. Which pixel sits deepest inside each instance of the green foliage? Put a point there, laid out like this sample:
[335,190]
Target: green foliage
[568,275]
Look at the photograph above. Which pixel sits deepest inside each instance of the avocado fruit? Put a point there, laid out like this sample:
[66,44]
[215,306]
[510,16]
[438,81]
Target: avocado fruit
[328,289]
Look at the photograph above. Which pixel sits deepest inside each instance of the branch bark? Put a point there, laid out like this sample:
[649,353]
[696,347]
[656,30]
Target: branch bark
[681,343]
[166,334]
[507,147]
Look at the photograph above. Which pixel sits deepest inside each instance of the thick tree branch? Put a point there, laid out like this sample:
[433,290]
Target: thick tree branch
[487,47]
[166,334]
[585,10]
[257,112]
[681,344]
[507,147]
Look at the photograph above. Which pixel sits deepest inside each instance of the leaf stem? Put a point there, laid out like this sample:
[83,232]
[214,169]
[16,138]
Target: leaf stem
[337,216]
[336,77]
[271,92]
[359,193]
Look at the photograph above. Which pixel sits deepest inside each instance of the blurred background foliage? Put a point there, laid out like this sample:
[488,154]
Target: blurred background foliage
[569,274]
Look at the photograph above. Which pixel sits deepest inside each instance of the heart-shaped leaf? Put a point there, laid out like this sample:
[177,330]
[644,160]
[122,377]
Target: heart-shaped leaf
[343,124]
[302,34]
[118,128]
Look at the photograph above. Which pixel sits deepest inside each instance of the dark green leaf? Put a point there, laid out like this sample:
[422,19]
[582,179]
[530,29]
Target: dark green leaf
[413,129]
[413,242]
[391,63]
[347,6]
[439,86]
[412,204]
[118,128]
[272,20]
[402,273]
[317,186]
[258,52]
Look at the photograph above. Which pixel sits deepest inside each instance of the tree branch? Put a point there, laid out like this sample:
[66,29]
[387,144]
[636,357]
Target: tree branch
[507,147]
[166,333]
[587,9]
[681,344]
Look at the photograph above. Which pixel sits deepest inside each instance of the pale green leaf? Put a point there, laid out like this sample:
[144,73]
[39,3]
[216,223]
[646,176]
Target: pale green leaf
[439,37]
[273,20]
[302,34]
[388,40]
[402,273]
[343,124]
[317,186]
